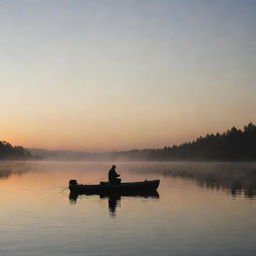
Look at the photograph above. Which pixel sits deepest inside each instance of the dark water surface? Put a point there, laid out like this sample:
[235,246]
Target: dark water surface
[200,209]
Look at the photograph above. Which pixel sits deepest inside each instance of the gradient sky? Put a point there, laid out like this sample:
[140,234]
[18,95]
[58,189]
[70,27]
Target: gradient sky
[114,75]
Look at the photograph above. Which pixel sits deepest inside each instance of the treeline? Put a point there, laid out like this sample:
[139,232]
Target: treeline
[7,151]
[232,145]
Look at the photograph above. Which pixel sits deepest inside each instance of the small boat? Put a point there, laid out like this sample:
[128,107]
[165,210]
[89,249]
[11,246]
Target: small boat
[110,188]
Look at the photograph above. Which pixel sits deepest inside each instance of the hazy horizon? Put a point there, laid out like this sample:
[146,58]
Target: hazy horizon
[101,76]
[130,149]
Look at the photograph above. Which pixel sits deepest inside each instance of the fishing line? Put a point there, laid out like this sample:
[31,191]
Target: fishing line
[63,189]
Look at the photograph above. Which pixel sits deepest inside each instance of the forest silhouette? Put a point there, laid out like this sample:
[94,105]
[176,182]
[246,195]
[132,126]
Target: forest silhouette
[7,151]
[232,145]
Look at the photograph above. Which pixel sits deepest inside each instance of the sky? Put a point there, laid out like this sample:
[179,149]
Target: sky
[123,74]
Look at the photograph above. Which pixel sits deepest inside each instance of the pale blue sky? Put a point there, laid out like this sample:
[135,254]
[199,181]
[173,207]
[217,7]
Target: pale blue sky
[106,75]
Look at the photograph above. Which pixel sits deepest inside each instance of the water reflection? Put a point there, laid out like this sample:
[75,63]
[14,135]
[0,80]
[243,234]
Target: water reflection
[114,200]
[235,178]
[238,179]
[7,168]
[36,217]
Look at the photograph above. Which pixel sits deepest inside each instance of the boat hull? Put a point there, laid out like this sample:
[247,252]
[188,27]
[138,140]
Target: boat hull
[108,188]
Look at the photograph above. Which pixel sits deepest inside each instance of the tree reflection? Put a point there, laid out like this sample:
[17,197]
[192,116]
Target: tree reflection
[8,169]
[235,178]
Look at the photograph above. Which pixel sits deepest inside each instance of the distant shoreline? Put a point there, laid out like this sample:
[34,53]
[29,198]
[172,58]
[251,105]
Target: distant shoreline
[234,145]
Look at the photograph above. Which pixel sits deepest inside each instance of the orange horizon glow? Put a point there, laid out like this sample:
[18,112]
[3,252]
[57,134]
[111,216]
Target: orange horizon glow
[96,76]
[100,147]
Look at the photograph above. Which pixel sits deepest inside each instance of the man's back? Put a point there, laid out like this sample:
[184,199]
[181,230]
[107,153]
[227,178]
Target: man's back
[112,175]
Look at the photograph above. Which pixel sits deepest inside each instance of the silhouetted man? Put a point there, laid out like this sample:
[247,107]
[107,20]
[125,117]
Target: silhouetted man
[112,176]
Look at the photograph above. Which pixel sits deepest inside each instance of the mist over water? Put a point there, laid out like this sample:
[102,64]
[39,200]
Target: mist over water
[200,209]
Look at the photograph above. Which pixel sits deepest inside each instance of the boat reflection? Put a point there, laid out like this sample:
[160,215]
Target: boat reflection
[115,198]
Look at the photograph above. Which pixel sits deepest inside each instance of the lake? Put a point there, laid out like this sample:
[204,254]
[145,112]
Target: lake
[200,209]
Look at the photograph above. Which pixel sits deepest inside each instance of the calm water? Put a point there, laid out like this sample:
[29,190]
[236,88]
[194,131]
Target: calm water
[200,209]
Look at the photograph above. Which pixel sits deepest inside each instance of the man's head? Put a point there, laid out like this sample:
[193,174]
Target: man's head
[113,167]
